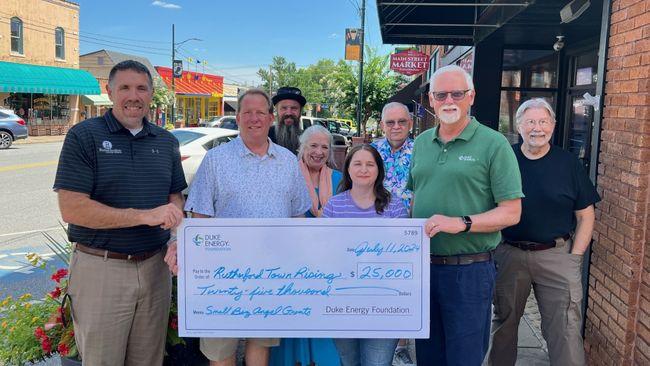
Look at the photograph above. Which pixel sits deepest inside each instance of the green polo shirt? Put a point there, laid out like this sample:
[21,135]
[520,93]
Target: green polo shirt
[466,176]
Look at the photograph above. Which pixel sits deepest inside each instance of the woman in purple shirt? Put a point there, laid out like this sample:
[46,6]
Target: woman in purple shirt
[363,196]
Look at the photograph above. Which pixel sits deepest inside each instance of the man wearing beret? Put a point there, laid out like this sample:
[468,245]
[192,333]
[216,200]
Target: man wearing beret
[288,102]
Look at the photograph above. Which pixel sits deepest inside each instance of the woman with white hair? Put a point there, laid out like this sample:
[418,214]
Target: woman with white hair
[316,159]
[545,249]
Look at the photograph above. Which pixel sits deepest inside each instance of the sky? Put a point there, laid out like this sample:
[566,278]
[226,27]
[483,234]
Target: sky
[237,37]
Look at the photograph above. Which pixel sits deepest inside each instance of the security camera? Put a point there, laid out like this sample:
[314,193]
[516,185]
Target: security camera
[559,44]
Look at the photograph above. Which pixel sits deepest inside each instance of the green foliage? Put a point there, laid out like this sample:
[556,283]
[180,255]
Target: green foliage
[35,330]
[336,84]
[162,96]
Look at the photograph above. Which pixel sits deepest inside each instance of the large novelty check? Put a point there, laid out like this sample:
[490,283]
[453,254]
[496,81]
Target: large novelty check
[339,278]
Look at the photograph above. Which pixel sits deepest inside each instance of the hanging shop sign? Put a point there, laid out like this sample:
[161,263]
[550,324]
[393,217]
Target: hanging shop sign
[409,62]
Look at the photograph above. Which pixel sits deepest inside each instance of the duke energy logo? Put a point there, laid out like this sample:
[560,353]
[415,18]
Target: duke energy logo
[211,242]
[198,240]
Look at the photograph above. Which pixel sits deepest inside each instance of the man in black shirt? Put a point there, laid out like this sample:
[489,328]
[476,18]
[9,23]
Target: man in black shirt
[545,249]
[119,183]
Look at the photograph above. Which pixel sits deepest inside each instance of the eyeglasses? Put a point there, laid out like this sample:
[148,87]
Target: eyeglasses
[401,122]
[455,95]
[540,122]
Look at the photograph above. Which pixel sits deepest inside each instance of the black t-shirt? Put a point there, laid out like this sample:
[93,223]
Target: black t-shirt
[555,186]
[104,160]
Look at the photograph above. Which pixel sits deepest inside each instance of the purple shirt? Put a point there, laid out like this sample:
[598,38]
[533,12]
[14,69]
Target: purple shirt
[343,206]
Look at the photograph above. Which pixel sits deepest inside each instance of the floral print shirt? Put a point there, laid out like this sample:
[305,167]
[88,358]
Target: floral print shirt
[396,165]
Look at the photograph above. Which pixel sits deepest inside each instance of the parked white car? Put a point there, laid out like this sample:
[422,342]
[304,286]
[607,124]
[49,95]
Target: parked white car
[195,143]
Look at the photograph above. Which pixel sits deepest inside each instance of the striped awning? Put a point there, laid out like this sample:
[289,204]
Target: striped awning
[193,83]
[26,78]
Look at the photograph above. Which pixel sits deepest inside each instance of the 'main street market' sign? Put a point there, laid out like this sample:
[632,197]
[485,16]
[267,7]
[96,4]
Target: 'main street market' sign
[409,62]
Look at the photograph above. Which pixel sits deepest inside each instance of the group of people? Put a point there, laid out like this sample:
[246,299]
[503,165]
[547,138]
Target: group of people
[501,219]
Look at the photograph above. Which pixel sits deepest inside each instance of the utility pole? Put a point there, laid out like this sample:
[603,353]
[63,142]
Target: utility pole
[173,119]
[271,80]
[360,103]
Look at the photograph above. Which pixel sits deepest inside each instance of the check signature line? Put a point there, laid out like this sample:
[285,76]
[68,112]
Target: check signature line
[366,287]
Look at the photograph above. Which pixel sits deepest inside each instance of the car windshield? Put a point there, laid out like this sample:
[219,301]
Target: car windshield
[184,137]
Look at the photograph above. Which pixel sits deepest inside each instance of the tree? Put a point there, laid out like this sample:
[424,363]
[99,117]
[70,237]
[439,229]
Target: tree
[280,73]
[162,96]
[379,84]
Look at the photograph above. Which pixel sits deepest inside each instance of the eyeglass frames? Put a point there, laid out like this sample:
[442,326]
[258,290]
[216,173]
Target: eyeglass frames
[455,95]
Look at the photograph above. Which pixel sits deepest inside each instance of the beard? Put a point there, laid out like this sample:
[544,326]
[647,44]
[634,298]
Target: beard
[450,118]
[287,135]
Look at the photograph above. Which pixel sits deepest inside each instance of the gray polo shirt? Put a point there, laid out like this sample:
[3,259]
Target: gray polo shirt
[234,182]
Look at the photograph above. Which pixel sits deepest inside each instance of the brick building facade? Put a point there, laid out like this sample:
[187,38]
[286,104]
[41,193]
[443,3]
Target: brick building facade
[618,312]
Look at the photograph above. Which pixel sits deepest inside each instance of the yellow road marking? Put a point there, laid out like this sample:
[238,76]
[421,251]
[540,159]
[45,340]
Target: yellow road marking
[27,166]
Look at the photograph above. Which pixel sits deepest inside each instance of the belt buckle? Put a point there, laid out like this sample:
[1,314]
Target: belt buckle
[465,260]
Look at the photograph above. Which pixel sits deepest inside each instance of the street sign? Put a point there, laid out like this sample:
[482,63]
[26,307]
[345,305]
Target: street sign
[409,62]
[178,68]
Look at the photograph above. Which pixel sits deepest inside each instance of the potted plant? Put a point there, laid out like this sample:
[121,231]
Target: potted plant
[31,330]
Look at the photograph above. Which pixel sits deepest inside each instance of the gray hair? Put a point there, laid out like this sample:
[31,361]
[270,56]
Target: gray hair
[392,105]
[254,91]
[311,132]
[533,103]
[448,69]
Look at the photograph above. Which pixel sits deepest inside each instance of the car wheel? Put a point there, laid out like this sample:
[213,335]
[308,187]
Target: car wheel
[5,140]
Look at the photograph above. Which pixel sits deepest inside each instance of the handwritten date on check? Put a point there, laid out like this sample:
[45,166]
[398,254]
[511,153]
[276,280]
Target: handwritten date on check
[338,278]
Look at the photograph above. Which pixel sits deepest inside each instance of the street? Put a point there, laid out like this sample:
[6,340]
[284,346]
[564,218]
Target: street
[26,176]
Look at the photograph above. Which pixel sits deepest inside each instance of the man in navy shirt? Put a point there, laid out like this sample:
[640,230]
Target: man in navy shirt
[119,183]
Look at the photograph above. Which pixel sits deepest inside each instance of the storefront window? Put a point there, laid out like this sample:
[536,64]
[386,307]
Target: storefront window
[41,109]
[526,74]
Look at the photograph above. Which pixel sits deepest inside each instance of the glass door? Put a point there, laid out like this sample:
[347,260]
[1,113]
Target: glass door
[581,105]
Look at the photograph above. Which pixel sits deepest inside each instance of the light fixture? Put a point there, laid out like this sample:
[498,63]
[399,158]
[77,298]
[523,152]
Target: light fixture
[559,44]
[573,10]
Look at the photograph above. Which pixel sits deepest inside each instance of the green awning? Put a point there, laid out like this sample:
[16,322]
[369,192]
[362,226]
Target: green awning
[97,100]
[25,78]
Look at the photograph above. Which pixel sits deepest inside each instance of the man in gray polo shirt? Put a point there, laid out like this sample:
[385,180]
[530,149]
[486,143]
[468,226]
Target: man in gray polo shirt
[249,177]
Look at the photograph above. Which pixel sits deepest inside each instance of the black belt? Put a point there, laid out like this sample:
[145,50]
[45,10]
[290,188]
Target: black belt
[462,259]
[532,245]
[114,255]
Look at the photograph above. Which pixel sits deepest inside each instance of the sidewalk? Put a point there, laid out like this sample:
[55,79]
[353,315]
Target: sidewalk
[531,350]
[40,139]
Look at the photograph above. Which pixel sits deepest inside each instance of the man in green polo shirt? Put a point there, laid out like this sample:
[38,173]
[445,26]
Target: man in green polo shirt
[465,179]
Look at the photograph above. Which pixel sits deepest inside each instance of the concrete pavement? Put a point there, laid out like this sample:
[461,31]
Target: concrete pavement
[40,139]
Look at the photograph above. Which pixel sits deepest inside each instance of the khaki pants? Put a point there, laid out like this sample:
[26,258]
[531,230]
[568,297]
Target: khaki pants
[120,309]
[556,277]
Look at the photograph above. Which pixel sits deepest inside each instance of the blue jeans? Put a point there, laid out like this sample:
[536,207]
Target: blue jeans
[461,300]
[366,352]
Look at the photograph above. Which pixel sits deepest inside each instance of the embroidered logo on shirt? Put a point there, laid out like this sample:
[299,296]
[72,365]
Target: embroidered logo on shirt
[107,147]
[466,158]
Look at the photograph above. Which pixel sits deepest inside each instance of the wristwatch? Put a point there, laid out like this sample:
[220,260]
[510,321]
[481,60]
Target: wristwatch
[468,223]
